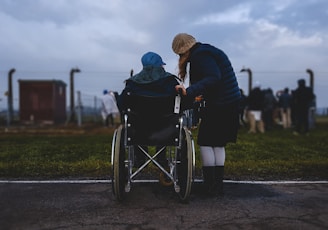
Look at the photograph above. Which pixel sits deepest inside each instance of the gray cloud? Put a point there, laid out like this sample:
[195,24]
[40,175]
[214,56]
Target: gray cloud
[44,39]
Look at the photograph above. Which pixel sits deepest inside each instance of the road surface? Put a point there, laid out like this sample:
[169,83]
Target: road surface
[150,206]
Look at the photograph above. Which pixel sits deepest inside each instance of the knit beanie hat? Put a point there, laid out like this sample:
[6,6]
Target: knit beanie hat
[152,59]
[182,43]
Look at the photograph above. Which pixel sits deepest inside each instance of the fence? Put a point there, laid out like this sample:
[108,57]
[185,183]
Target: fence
[88,110]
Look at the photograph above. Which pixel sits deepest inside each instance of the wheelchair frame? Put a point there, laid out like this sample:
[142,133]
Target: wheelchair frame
[180,159]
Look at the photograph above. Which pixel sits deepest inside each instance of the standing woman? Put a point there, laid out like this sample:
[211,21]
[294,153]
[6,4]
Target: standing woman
[211,76]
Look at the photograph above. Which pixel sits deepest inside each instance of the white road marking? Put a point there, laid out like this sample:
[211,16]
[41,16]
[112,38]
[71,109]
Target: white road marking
[149,181]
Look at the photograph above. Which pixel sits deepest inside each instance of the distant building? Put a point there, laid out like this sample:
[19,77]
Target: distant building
[42,101]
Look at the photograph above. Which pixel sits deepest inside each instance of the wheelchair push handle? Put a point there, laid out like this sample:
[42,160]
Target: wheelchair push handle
[177,103]
[180,92]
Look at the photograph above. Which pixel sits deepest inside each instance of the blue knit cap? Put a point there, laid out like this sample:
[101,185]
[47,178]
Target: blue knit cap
[152,59]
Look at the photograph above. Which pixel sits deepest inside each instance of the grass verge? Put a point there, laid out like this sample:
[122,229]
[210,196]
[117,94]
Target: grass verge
[275,155]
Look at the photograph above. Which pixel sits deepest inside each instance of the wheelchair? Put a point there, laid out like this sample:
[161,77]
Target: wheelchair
[157,124]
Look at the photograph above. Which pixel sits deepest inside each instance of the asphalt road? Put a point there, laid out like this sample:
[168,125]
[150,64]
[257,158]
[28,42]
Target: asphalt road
[150,206]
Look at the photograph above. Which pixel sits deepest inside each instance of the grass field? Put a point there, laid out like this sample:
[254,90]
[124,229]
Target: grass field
[70,152]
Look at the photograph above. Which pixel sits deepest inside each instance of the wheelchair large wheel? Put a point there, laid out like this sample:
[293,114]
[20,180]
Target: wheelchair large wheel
[119,171]
[185,168]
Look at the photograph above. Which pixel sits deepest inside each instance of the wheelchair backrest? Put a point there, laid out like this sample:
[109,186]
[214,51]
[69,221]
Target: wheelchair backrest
[151,104]
[151,120]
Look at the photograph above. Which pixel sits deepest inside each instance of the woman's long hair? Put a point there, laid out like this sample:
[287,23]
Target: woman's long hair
[183,61]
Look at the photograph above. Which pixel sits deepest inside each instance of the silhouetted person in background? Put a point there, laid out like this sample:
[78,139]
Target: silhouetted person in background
[303,97]
[269,105]
[109,108]
[255,101]
[285,101]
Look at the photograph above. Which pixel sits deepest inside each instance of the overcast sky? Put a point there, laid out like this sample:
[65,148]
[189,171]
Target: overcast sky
[278,40]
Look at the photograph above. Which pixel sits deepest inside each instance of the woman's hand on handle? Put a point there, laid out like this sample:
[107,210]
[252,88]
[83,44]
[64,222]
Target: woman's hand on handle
[181,89]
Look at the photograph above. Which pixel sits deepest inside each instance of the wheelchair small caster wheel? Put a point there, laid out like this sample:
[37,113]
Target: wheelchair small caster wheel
[177,188]
[127,188]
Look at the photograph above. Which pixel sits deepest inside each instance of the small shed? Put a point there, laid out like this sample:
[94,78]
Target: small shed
[42,101]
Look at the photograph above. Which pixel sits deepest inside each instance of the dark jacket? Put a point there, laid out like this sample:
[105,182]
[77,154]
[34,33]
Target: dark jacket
[255,99]
[212,75]
[303,97]
[269,100]
[151,81]
[285,100]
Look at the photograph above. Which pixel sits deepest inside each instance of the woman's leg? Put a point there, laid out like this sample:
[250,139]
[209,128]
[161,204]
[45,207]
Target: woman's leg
[219,170]
[208,162]
[219,153]
[207,154]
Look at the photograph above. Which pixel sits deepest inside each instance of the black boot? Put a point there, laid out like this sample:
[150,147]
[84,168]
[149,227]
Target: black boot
[208,177]
[218,177]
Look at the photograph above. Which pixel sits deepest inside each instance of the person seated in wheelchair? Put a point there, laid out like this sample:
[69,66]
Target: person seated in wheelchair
[152,81]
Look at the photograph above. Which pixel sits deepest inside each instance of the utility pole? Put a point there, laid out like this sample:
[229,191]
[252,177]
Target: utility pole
[72,105]
[249,71]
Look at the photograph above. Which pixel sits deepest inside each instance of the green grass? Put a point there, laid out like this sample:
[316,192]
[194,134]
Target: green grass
[278,154]
[275,155]
[54,156]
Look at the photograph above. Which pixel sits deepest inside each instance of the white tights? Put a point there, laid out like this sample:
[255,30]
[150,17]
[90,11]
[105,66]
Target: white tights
[212,156]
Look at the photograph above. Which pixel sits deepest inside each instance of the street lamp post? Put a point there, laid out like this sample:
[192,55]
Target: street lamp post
[249,71]
[310,72]
[10,111]
[72,105]
[312,107]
